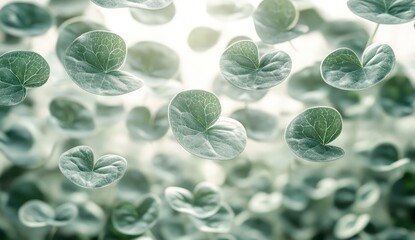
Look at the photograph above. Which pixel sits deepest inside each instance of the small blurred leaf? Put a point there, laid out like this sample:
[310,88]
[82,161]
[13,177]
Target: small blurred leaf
[250,118]
[142,126]
[154,16]
[220,222]
[350,225]
[202,38]
[146,4]
[228,10]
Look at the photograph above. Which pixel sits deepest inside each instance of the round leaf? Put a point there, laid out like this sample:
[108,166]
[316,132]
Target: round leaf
[142,126]
[24,19]
[221,86]
[276,21]
[204,202]
[131,220]
[241,66]
[146,4]
[16,139]
[154,16]
[71,115]
[93,61]
[20,70]
[308,134]
[220,222]
[343,69]
[77,164]
[397,96]
[384,11]
[350,225]
[194,117]
[72,29]
[202,38]
[229,9]
[152,61]
[250,119]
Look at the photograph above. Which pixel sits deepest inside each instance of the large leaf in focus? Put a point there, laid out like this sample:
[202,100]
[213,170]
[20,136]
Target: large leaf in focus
[343,69]
[384,11]
[20,70]
[93,61]
[195,120]
[241,65]
[310,132]
[24,19]
[77,164]
[203,202]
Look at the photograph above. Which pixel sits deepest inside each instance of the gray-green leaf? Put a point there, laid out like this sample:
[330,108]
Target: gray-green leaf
[24,19]
[220,222]
[397,96]
[259,125]
[20,70]
[77,164]
[343,69]
[276,21]
[241,65]
[202,38]
[93,61]
[154,16]
[131,220]
[203,202]
[384,11]
[229,9]
[195,120]
[146,4]
[308,134]
[142,126]
[71,116]
[350,225]
[36,213]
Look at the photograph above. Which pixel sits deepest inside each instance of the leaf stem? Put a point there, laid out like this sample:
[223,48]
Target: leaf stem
[52,232]
[369,41]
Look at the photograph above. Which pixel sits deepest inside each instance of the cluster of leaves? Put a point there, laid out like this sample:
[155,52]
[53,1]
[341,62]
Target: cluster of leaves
[52,122]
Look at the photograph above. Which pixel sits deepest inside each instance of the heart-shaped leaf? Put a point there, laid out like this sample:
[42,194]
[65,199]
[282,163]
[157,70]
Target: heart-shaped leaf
[241,65]
[154,62]
[72,29]
[36,213]
[154,16]
[77,164]
[384,11]
[20,70]
[93,61]
[24,19]
[350,225]
[367,196]
[71,116]
[146,4]
[142,126]
[343,69]
[131,220]
[194,117]
[308,134]
[250,118]
[202,38]
[220,222]
[228,10]
[276,21]
[397,96]
[203,202]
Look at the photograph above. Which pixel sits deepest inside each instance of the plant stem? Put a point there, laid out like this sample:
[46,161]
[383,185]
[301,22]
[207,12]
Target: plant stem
[369,41]
[52,232]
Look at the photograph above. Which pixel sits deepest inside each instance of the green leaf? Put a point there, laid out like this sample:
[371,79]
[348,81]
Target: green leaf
[367,196]
[24,19]
[132,185]
[71,116]
[203,202]
[131,220]
[384,11]
[228,10]
[146,4]
[202,38]
[77,164]
[397,96]
[259,125]
[93,61]
[343,69]
[154,16]
[16,139]
[20,70]
[142,126]
[385,158]
[350,225]
[263,202]
[109,113]
[67,9]
[276,21]
[36,213]
[195,120]
[241,65]
[154,62]
[308,134]
[348,103]
[220,222]
[72,29]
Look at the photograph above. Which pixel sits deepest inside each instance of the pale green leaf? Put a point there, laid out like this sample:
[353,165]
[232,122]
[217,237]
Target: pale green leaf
[242,66]
[66,9]
[228,10]
[202,38]
[259,125]
[146,4]
[310,132]
[350,225]
[142,125]
[154,16]
[397,96]
[220,222]
[194,117]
